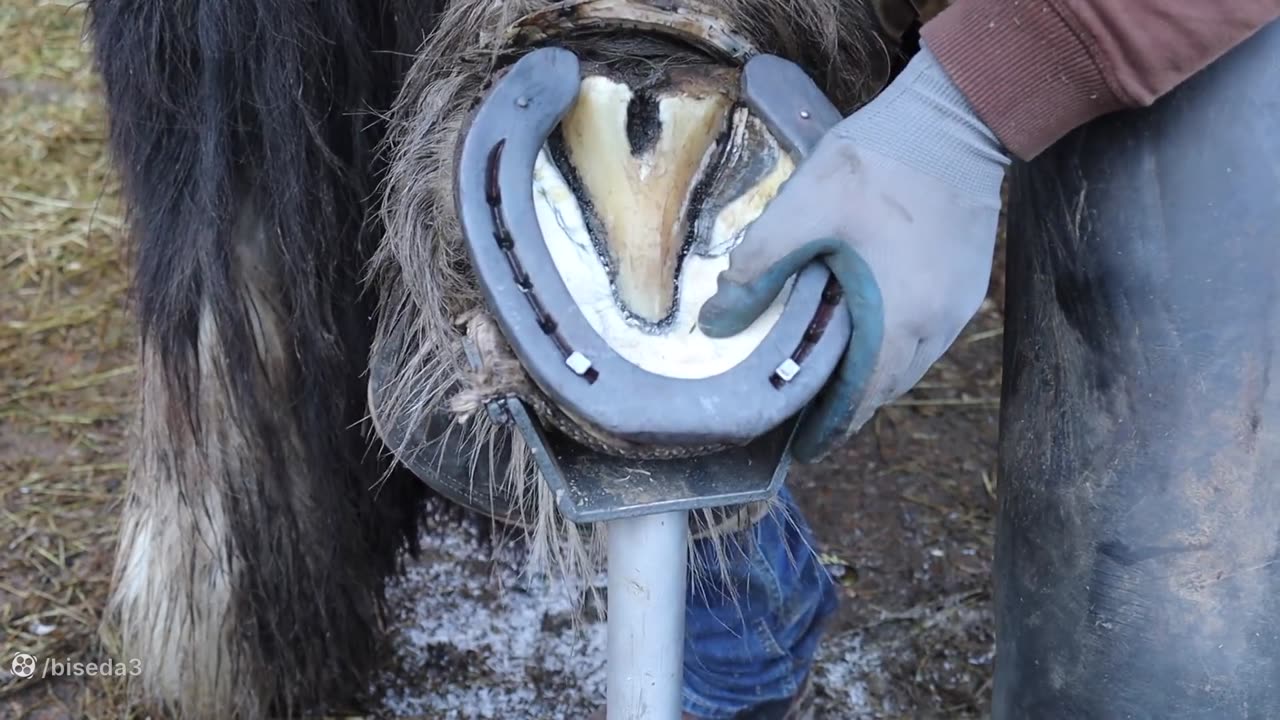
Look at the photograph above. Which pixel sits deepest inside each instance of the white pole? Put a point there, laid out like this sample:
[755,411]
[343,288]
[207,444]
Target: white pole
[648,558]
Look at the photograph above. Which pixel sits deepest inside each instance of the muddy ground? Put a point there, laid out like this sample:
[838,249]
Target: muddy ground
[903,513]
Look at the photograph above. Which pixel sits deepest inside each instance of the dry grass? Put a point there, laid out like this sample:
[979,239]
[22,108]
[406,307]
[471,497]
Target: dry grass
[65,361]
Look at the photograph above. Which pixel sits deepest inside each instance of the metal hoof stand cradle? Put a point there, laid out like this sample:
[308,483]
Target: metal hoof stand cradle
[747,411]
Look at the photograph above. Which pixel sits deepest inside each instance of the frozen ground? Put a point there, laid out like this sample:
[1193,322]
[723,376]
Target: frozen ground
[903,515]
[474,639]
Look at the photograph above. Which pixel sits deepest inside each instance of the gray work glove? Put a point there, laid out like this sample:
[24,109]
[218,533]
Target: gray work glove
[901,201]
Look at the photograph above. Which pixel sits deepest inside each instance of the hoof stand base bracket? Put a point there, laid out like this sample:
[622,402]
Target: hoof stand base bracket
[590,486]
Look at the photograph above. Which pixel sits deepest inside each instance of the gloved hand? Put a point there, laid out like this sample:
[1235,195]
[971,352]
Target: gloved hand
[901,201]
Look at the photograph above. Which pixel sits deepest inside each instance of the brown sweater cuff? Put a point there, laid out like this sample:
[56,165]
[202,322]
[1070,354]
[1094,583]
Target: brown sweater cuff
[1027,73]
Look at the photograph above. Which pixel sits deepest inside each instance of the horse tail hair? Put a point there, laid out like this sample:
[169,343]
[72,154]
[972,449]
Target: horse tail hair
[260,524]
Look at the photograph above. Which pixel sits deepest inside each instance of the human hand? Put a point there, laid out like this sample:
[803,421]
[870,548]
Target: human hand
[901,201]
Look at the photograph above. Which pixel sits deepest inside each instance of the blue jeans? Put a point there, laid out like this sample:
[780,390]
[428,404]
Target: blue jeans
[753,638]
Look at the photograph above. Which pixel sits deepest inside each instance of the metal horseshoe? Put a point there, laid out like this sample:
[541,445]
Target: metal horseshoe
[559,349]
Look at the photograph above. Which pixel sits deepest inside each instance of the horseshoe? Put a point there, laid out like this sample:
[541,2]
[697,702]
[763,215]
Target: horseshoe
[547,331]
